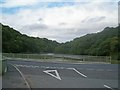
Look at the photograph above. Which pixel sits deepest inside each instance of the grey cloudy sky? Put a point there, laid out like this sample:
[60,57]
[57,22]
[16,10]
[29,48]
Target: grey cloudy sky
[59,20]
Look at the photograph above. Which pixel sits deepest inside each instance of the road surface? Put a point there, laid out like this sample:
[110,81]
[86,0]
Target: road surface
[62,75]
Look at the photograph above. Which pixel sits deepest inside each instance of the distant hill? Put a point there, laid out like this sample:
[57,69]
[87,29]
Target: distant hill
[103,43]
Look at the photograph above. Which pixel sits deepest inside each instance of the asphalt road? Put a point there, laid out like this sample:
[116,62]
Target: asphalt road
[63,75]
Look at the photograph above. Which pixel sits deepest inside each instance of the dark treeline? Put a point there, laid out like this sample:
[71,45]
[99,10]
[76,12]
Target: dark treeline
[103,43]
[15,42]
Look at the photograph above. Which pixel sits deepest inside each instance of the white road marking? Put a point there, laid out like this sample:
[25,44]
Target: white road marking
[47,67]
[69,68]
[28,66]
[22,76]
[108,87]
[55,76]
[79,72]
[58,77]
[18,65]
[31,66]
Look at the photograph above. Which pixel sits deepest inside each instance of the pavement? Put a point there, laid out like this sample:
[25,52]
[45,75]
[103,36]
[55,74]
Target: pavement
[31,74]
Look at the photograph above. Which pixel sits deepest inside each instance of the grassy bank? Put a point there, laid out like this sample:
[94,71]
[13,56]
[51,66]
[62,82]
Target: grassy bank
[115,61]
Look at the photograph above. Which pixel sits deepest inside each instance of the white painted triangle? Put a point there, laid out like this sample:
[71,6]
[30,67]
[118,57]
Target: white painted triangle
[55,76]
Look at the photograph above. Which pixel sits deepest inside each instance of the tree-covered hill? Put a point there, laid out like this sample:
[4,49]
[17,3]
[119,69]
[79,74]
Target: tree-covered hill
[15,42]
[102,43]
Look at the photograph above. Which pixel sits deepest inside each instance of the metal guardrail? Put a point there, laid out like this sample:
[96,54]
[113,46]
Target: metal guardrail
[3,65]
[82,58]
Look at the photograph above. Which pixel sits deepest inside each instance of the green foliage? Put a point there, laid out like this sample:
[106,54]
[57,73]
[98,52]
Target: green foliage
[15,42]
[104,43]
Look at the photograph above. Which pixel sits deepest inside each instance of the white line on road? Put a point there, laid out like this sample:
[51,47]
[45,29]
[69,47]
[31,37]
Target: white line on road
[79,72]
[27,66]
[22,76]
[48,72]
[31,66]
[108,87]
[69,68]
[55,76]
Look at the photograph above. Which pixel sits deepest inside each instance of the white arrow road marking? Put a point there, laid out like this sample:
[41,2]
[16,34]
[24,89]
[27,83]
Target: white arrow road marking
[55,76]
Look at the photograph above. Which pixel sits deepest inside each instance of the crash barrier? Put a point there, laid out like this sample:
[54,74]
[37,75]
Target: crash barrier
[64,57]
[3,65]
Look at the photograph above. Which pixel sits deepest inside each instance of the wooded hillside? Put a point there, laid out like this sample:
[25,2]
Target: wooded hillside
[15,42]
